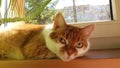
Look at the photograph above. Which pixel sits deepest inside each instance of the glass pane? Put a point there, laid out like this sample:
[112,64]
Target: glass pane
[66,7]
[84,10]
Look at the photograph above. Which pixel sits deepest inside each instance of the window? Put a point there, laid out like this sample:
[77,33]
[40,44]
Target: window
[85,10]
[106,33]
[73,10]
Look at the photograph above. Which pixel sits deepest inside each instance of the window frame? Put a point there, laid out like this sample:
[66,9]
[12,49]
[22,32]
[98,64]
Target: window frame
[103,28]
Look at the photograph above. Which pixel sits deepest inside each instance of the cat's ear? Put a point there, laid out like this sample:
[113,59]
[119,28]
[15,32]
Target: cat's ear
[59,21]
[88,30]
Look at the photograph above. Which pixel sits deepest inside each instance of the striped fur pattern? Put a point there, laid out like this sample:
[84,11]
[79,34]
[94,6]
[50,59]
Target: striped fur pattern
[23,41]
[28,41]
[67,42]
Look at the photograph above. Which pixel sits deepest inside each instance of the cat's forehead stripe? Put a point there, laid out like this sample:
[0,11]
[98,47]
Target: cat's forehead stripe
[71,33]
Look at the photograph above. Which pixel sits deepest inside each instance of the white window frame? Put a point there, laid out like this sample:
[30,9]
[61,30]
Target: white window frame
[103,28]
[106,29]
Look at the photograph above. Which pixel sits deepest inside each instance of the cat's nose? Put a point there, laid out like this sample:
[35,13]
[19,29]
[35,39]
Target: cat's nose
[69,52]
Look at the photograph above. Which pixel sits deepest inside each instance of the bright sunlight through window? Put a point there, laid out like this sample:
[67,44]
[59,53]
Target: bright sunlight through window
[85,10]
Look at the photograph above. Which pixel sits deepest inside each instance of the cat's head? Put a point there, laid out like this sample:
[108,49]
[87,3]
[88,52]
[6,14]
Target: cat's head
[71,42]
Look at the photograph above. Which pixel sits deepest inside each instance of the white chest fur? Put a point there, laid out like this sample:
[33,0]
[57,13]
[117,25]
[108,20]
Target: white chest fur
[52,45]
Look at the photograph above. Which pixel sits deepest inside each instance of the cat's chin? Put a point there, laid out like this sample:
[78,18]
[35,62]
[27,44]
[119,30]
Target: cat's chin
[67,59]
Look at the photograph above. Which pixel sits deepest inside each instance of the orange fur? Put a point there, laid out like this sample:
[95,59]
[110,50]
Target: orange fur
[29,41]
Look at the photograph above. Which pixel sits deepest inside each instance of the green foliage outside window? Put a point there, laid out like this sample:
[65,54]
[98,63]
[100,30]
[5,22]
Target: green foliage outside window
[37,11]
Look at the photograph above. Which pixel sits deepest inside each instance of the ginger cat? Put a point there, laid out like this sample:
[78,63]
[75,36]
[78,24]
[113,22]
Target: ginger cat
[29,41]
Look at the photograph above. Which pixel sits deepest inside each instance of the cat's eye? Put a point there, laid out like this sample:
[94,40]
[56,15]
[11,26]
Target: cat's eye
[62,41]
[79,45]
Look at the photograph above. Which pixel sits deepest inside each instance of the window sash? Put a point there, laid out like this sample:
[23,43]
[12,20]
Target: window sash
[106,28]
